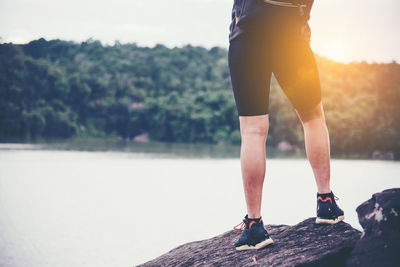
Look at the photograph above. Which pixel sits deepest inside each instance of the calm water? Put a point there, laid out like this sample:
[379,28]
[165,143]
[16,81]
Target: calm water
[77,208]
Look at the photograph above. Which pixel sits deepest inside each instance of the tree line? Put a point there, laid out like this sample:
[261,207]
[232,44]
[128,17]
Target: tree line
[60,89]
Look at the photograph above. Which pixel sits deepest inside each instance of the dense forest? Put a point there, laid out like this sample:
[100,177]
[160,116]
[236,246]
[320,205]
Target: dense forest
[61,89]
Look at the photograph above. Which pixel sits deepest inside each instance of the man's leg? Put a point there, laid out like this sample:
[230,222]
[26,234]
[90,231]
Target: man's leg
[318,152]
[317,146]
[254,131]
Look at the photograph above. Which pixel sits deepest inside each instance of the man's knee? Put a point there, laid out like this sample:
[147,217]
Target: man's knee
[254,125]
[316,113]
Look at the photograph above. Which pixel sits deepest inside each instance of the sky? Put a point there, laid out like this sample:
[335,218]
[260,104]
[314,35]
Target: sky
[343,30]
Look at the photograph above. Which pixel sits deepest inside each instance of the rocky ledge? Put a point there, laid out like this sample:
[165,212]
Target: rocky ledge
[306,243]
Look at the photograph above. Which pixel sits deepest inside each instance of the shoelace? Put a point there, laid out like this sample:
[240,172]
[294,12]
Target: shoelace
[240,226]
[336,198]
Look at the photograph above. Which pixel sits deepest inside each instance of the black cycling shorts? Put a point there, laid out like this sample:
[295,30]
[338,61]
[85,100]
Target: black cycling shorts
[274,39]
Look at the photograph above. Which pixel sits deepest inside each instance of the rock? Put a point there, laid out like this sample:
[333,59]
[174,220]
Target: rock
[307,243]
[284,146]
[304,244]
[224,143]
[380,242]
[142,138]
[383,155]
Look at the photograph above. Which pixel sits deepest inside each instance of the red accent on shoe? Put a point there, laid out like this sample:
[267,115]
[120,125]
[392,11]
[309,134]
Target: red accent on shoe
[326,199]
[251,223]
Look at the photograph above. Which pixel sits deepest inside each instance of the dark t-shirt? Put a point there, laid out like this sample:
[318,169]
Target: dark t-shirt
[244,10]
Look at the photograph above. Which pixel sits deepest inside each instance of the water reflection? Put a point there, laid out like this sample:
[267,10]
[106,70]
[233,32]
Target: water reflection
[151,149]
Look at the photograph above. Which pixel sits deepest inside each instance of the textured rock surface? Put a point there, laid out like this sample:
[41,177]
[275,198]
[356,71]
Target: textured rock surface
[304,244]
[380,243]
[308,244]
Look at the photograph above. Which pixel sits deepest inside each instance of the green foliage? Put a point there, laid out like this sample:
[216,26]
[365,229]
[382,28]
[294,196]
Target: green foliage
[62,89]
[34,123]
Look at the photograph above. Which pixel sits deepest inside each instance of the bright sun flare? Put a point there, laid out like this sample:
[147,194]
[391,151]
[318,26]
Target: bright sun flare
[335,51]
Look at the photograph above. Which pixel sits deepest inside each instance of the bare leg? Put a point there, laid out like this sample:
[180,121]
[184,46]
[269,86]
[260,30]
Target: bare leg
[254,130]
[317,146]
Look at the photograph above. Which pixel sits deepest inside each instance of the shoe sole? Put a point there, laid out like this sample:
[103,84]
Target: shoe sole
[262,244]
[328,221]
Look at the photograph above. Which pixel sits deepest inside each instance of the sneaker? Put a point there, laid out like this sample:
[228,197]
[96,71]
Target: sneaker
[254,235]
[327,210]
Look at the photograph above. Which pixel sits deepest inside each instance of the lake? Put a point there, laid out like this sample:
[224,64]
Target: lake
[123,208]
